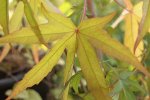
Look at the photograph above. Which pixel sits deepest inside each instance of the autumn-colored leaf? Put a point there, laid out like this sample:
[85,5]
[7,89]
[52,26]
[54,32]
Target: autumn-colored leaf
[132,19]
[95,23]
[131,28]
[39,71]
[144,24]
[32,21]
[14,25]
[71,49]
[50,32]
[35,5]
[91,69]
[55,18]
[90,35]
[16,19]
[105,43]
[4,15]
[50,7]
[131,33]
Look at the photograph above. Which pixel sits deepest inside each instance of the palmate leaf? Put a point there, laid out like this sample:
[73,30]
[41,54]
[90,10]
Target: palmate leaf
[88,34]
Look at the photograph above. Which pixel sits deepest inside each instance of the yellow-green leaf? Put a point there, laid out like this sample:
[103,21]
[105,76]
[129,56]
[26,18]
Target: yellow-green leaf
[131,33]
[15,21]
[39,71]
[14,25]
[97,23]
[71,49]
[144,24]
[49,32]
[35,5]
[58,19]
[4,18]
[49,6]
[113,48]
[91,69]
[32,21]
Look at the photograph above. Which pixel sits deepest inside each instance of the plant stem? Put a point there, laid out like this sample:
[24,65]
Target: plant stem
[84,10]
[91,8]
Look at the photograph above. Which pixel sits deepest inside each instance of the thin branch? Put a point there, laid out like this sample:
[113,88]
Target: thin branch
[91,8]
[84,10]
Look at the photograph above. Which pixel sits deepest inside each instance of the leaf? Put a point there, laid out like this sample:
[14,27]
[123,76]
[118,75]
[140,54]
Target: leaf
[90,33]
[131,33]
[14,25]
[117,88]
[35,5]
[91,69]
[131,28]
[15,21]
[65,92]
[127,95]
[49,6]
[27,36]
[144,24]
[28,94]
[75,81]
[113,48]
[71,49]
[58,19]
[39,71]
[4,17]
[4,52]
[137,9]
[32,21]
[95,23]
[75,84]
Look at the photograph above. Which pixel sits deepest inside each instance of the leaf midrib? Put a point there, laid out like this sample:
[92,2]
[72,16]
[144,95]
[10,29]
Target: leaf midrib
[43,34]
[101,23]
[48,59]
[89,62]
[104,43]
